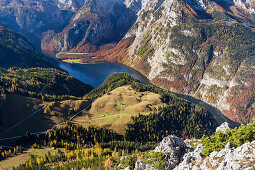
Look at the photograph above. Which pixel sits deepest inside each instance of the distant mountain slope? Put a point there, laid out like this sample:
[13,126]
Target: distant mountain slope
[17,51]
[201,48]
[97,23]
[33,17]
[26,71]
[42,82]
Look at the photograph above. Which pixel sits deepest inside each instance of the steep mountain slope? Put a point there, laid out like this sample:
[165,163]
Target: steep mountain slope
[17,51]
[71,5]
[97,23]
[201,48]
[27,80]
[33,17]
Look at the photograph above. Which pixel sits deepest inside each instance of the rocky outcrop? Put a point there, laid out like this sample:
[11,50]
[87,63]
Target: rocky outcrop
[172,148]
[190,157]
[223,127]
[242,157]
[178,156]
[181,46]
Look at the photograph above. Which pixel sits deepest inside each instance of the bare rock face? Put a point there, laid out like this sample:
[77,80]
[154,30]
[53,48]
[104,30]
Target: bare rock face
[190,157]
[33,17]
[71,5]
[97,22]
[178,156]
[173,149]
[228,158]
[223,127]
[178,45]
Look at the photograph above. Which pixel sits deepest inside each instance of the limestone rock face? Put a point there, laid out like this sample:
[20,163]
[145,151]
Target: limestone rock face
[223,127]
[169,144]
[178,46]
[33,17]
[228,158]
[190,157]
[72,5]
[97,22]
[173,149]
[178,156]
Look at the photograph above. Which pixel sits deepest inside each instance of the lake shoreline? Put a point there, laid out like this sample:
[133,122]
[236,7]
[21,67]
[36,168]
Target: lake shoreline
[94,73]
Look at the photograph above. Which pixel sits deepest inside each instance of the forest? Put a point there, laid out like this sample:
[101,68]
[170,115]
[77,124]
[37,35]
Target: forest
[94,147]
[185,121]
[43,83]
[79,148]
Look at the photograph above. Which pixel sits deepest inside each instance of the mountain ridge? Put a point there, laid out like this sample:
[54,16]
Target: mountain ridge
[201,49]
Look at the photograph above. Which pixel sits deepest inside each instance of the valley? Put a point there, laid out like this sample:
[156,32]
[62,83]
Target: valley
[127,84]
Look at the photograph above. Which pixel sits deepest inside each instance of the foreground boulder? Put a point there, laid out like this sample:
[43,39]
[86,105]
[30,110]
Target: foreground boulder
[191,157]
[172,148]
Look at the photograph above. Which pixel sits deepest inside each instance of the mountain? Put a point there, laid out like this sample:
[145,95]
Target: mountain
[70,5]
[96,23]
[25,70]
[27,81]
[17,51]
[32,18]
[201,48]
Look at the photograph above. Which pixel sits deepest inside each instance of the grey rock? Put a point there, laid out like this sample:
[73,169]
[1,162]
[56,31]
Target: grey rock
[196,156]
[228,158]
[228,146]
[140,165]
[173,149]
[178,156]
[223,127]
[128,168]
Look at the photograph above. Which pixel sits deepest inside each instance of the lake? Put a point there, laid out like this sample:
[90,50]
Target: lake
[95,74]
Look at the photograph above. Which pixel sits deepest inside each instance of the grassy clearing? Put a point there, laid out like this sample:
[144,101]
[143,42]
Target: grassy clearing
[72,61]
[114,109]
[11,162]
[15,108]
[42,152]
[15,161]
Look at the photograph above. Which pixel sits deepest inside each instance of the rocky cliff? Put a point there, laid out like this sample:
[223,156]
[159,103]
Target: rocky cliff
[33,17]
[97,23]
[201,48]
